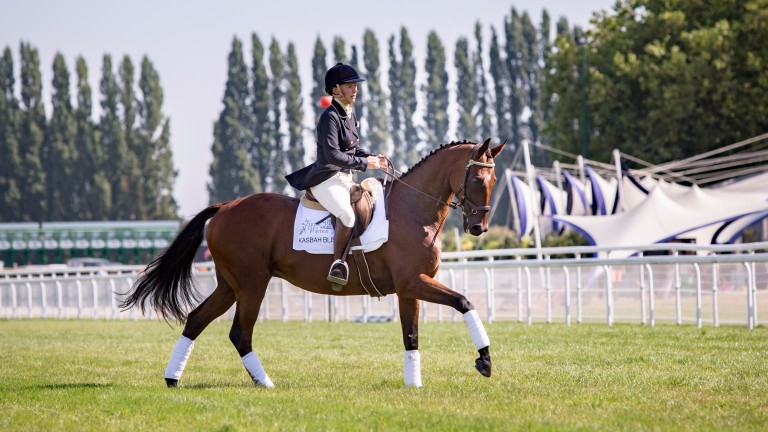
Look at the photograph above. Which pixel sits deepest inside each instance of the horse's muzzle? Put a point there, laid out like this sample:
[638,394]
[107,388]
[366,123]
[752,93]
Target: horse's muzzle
[477,229]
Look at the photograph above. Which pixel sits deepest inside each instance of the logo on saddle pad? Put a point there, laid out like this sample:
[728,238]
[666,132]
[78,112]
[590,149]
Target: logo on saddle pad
[316,232]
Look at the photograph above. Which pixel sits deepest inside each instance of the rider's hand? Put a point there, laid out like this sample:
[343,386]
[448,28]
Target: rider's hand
[373,162]
[382,161]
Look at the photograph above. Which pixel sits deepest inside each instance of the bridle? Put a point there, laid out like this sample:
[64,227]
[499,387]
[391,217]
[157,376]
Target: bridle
[460,200]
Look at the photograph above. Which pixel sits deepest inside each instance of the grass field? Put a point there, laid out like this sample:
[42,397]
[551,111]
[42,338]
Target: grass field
[107,375]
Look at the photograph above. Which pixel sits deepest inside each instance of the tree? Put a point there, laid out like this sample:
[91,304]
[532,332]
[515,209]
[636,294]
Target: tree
[483,117]
[466,91]
[32,136]
[10,124]
[319,68]
[359,108]
[153,147]
[395,111]
[665,79]
[132,204]
[111,136]
[339,50]
[232,172]
[402,87]
[94,185]
[500,78]
[277,67]
[62,160]
[375,101]
[261,146]
[436,92]
[294,112]
[514,49]
[408,99]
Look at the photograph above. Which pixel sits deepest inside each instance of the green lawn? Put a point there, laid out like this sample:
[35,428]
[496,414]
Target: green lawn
[106,375]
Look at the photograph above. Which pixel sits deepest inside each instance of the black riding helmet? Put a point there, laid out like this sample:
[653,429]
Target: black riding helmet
[340,74]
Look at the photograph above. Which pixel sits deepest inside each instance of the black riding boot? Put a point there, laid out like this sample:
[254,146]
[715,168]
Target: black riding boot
[339,272]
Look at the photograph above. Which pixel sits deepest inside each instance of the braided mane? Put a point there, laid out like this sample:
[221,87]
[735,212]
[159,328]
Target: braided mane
[442,146]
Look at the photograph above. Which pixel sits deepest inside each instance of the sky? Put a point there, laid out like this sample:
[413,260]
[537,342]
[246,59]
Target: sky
[188,42]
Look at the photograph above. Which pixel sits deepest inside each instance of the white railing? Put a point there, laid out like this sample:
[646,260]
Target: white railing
[565,285]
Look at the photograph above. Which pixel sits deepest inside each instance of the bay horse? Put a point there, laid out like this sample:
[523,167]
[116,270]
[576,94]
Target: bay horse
[250,241]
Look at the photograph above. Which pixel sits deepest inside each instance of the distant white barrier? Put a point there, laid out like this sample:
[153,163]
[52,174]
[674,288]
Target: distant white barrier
[566,285]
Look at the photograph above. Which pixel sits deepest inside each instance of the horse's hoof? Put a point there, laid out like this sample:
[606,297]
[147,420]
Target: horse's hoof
[171,383]
[483,366]
[483,363]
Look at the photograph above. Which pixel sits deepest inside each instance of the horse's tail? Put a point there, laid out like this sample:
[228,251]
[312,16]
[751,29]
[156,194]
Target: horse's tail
[167,280]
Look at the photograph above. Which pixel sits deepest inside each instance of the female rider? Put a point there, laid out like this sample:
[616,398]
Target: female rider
[329,178]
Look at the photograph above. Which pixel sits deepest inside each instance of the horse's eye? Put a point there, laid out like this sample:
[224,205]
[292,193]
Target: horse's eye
[477,180]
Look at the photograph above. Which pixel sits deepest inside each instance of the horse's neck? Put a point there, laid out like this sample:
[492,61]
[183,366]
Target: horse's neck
[433,178]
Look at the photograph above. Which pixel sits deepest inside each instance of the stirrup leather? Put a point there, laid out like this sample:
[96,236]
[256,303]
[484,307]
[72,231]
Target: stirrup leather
[337,280]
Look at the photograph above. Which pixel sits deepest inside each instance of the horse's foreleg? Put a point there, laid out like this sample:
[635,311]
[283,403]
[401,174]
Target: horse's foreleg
[214,306]
[241,334]
[426,288]
[409,320]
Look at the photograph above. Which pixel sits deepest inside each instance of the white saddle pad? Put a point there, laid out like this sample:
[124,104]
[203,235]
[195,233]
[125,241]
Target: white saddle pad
[316,238]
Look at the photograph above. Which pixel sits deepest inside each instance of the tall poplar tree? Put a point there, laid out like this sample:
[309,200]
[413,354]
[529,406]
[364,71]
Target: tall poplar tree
[375,101]
[466,92]
[319,68]
[94,185]
[294,112]
[11,161]
[436,92]
[514,48]
[261,146]
[339,50]
[500,77]
[232,172]
[277,68]
[62,161]
[32,137]
[395,106]
[483,116]
[409,100]
[154,148]
[111,135]
[132,204]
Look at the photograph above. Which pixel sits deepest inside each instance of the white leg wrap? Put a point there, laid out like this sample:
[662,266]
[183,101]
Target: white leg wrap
[179,357]
[256,370]
[476,330]
[412,368]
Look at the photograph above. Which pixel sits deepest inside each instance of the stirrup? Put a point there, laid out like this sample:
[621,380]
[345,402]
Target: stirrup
[338,282]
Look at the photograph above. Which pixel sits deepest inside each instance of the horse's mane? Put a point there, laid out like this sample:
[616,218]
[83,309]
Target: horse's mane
[437,150]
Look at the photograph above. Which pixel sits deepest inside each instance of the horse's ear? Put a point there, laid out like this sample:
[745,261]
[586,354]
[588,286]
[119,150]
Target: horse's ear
[496,150]
[484,147]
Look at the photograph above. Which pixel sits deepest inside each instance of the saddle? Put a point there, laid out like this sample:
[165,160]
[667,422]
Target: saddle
[363,201]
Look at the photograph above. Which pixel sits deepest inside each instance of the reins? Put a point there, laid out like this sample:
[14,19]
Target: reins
[459,202]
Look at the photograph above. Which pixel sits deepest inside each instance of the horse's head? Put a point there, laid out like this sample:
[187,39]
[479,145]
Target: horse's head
[474,196]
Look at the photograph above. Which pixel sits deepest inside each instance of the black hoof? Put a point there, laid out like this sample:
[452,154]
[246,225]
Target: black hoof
[483,363]
[171,383]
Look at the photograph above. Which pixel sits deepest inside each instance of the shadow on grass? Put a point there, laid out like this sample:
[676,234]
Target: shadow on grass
[67,386]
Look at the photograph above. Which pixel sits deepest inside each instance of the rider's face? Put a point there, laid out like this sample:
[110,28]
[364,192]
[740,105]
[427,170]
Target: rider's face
[347,91]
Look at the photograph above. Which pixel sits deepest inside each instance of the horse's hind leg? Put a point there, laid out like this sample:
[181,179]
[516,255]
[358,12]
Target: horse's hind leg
[247,312]
[213,307]
[426,288]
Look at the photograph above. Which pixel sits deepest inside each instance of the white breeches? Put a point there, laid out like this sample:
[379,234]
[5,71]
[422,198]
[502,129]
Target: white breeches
[333,194]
